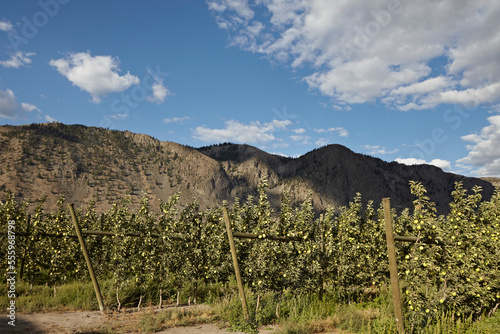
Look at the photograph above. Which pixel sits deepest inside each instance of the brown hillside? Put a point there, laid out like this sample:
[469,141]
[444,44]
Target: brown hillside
[87,163]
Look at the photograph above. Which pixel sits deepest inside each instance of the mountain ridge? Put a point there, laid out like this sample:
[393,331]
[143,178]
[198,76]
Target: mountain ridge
[88,163]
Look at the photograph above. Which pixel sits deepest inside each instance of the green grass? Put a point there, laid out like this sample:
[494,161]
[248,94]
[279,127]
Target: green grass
[72,296]
[307,314]
[150,322]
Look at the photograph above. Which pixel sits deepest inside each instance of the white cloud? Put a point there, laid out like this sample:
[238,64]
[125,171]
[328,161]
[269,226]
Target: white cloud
[424,92]
[376,149]
[17,60]
[50,119]
[255,132]
[339,130]
[120,116]
[302,139]
[28,107]
[495,108]
[423,87]
[243,13]
[321,142]
[361,51]
[10,108]
[176,119]
[470,96]
[299,131]
[5,26]
[484,150]
[8,105]
[96,75]
[443,164]
[160,93]
[411,161]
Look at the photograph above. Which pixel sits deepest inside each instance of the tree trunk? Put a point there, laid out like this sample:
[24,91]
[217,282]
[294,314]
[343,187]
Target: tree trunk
[140,300]
[118,300]
[159,305]
[54,291]
[258,304]
[494,309]
[195,291]
[177,298]
[278,310]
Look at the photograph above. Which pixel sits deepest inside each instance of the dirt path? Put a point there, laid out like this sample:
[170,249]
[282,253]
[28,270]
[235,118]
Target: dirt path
[92,322]
[54,322]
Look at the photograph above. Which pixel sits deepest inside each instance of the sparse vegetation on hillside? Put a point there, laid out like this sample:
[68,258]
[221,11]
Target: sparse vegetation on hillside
[87,163]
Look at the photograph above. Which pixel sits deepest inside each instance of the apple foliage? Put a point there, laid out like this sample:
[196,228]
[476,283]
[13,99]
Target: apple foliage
[452,267]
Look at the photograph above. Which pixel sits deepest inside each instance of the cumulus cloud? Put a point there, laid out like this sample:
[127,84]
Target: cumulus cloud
[160,92]
[28,107]
[10,108]
[484,149]
[299,131]
[362,51]
[97,75]
[6,26]
[376,149]
[50,119]
[234,131]
[17,60]
[8,105]
[176,119]
[443,164]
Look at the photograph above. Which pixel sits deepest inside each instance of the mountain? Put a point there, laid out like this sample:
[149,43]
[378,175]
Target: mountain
[335,174]
[84,163]
[495,181]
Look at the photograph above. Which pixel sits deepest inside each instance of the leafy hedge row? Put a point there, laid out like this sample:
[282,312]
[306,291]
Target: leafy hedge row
[453,267]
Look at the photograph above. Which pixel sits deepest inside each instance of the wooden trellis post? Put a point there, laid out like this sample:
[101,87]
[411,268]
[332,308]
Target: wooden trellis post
[235,263]
[87,259]
[393,268]
[79,235]
[231,235]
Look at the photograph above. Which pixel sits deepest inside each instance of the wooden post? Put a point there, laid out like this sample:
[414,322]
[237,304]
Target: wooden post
[87,259]
[321,256]
[235,262]
[393,268]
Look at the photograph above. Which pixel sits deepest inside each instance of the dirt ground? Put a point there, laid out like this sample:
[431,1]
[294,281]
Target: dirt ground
[88,322]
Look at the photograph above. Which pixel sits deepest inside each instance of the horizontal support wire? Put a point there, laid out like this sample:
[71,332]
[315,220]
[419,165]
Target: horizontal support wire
[243,235]
[240,235]
[89,232]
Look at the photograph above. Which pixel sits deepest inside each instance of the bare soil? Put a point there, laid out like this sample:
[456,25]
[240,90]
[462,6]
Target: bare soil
[93,322]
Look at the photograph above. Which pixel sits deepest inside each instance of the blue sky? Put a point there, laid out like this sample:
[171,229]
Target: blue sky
[415,82]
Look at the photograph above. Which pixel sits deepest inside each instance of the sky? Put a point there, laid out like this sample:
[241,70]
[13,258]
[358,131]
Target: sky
[409,81]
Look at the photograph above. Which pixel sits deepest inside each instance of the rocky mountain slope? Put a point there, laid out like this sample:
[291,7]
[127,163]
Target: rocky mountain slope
[84,163]
[335,174]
